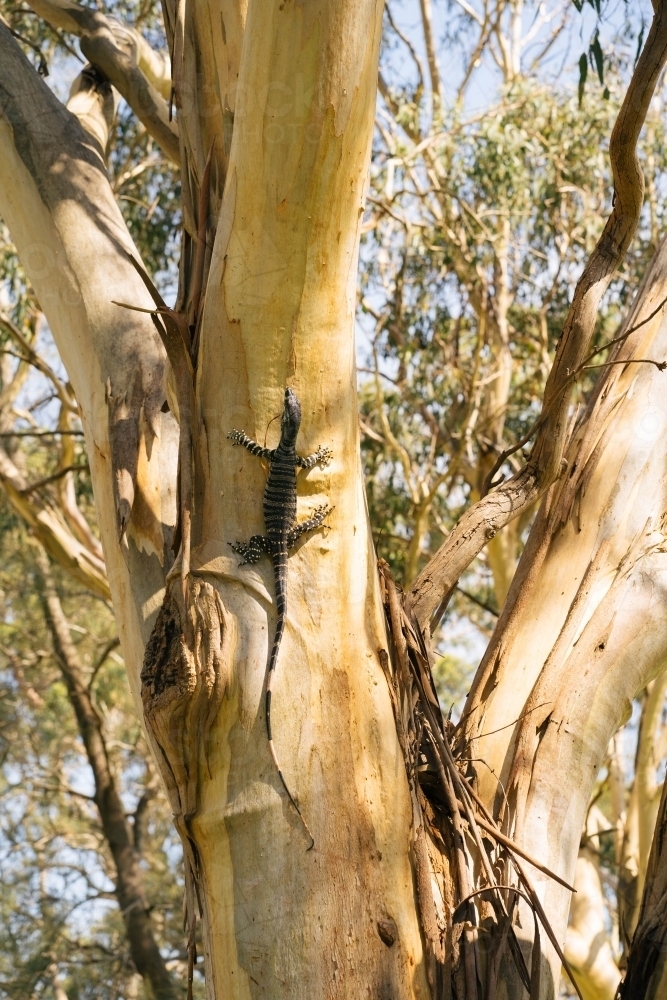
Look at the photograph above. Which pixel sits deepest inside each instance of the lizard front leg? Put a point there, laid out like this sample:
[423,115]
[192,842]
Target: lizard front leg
[252,551]
[322,456]
[240,437]
[310,525]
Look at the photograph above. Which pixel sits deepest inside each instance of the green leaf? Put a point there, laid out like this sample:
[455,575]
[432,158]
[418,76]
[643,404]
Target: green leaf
[583,73]
[640,41]
[596,51]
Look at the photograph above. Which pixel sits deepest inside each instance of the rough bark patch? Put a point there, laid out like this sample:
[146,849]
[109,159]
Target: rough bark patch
[186,674]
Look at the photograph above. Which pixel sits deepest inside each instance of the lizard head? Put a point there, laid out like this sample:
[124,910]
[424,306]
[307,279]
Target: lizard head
[291,418]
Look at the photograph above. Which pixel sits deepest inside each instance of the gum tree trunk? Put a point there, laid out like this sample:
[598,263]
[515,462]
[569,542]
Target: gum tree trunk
[583,629]
[274,104]
[280,99]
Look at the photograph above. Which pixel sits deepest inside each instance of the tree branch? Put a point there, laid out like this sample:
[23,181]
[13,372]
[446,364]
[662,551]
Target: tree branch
[128,61]
[434,71]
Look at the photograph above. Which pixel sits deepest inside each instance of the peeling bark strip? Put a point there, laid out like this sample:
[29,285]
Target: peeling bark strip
[186,674]
[433,587]
[175,334]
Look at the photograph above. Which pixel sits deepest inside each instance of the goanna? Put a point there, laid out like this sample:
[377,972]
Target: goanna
[282,532]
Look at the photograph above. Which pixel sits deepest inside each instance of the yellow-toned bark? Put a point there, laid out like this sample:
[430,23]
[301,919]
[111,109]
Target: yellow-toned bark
[297,83]
[284,922]
[583,628]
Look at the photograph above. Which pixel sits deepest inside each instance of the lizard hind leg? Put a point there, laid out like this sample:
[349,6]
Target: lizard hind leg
[251,551]
[311,524]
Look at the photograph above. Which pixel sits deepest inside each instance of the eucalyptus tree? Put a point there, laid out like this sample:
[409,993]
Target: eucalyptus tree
[268,110]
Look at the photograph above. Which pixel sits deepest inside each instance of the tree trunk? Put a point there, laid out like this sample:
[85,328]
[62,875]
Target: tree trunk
[646,978]
[279,921]
[279,311]
[583,628]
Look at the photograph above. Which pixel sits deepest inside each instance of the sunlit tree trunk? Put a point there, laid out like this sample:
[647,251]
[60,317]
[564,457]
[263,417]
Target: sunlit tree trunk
[587,945]
[275,104]
[646,977]
[281,98]
[583,628]
[642,807]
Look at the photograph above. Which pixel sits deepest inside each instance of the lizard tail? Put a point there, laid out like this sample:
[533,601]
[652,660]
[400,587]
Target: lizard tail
[280,570]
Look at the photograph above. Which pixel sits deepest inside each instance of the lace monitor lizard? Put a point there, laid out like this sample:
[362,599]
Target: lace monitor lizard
[282,532]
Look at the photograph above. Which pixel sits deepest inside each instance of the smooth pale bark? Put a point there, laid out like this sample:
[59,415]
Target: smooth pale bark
[73,243]
[587,945]
[280,311]
[585,624]
[279,922]
[642,807]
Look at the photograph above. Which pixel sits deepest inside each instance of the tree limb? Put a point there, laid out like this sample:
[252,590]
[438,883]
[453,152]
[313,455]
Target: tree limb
[126,58]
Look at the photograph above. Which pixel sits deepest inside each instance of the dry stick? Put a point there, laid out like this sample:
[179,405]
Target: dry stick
[43,68]
[177,59]
[522,874]
[393,610]
[498,904]
[38,434]
[518,957]
[463,786]
[545,923]
[513,846]
[396,615]
[462,871]
[406,41]
[200,255]
[56,475]
[491,513]
[469,948]
[534,983]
